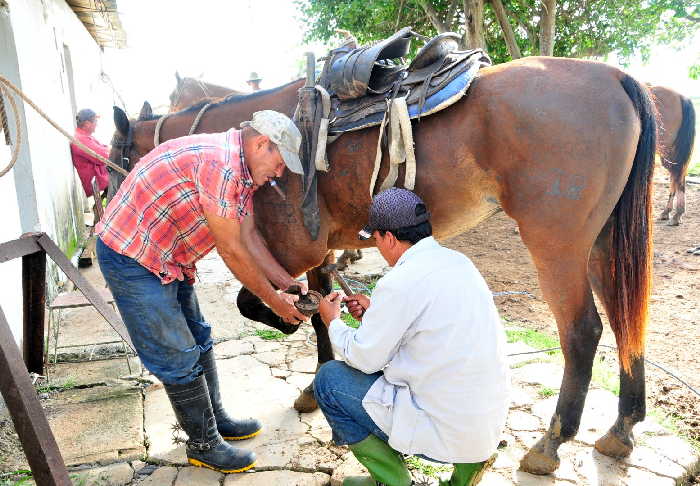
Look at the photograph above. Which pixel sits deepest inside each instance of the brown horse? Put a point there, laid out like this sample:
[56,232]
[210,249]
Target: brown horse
[676,123]
[189,91]
[565,147]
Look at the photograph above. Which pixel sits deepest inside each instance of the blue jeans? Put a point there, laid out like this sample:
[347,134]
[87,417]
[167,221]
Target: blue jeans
[164,321]
[339,390]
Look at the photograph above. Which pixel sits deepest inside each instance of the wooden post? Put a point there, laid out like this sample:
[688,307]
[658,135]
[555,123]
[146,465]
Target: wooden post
[31,425]
[34,297]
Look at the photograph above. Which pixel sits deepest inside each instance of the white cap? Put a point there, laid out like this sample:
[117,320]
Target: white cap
[282,132]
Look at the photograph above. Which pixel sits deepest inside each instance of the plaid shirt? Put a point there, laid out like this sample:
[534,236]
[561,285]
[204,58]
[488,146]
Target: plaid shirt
[157,215]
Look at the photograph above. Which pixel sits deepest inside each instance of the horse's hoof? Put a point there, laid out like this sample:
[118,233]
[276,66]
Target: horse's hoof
[538,461]
[612,446]
[674,221]
[305,402]
[663,216]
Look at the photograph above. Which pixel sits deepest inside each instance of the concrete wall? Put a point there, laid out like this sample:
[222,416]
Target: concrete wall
[40,40]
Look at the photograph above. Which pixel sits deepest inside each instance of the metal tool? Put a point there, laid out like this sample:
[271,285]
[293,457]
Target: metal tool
[332,269]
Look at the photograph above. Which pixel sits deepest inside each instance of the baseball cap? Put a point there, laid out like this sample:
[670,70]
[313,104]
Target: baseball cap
[392,209]
[84,115]
[282,132]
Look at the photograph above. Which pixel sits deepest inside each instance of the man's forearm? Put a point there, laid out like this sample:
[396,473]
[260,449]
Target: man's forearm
[270,266]
[243,266]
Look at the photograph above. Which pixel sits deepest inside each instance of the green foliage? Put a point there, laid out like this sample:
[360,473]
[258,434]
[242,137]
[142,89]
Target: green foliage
[593,28]
[68,384]
[16,478]
[533,339]
[546,392]
[694,71]
[269,335]
[426,468]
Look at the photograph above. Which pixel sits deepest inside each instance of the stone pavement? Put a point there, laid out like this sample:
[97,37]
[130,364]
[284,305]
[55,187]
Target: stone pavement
[115,428]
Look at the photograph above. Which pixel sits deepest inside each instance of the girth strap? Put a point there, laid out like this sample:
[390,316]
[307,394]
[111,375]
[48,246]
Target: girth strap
[400,147]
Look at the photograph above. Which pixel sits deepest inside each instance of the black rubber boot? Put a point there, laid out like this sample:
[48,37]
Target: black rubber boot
[229,428]
[205,446]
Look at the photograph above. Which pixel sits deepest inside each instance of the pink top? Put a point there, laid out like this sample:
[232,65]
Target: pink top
[87,165]
[157,216]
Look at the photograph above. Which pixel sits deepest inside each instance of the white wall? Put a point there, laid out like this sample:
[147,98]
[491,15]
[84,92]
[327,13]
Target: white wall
[47,195]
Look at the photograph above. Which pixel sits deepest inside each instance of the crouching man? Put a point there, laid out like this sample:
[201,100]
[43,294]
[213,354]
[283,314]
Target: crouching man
[425,374]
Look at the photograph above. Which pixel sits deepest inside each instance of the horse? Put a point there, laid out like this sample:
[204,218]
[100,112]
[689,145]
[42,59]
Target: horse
[565,147]
[676,123]
[189,91]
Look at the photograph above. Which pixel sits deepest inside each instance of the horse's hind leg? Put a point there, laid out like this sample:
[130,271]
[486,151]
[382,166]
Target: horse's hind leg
[563,278]
[320,282]
[680,203]
[618,442]
[665,214]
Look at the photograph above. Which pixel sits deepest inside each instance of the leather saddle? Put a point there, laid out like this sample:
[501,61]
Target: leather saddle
[361,80]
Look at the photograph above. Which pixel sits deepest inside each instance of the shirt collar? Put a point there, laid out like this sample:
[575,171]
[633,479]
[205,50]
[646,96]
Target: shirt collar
[422,245]
[246,177]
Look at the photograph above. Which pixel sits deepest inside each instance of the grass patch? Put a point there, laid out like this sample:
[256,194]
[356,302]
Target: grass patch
[66,385]
[607,378]
[426,468]
[269,335]
[546,392]
[16,478]
[533,339]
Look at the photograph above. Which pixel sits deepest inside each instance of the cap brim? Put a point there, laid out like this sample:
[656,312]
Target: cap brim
[291,160]
[365,233]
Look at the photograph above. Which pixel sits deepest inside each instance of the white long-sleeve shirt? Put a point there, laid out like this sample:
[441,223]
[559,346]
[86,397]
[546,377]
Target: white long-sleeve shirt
[433,328]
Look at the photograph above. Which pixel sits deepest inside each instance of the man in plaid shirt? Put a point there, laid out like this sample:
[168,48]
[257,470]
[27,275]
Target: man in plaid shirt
[182,199]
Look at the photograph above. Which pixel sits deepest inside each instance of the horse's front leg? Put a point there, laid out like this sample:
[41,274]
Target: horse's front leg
[321,282]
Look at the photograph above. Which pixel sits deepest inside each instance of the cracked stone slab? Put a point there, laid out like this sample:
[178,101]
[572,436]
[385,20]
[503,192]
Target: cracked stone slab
[544,374]
[519,420]
[163,476]
[103,424]
[113,475]
[198,476]
[278,478]
[306,364]
[233,348]
[105,371]
[349,467]
[675,449]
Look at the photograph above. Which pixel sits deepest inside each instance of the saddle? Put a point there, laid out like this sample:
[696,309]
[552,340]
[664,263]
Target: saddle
[360,87]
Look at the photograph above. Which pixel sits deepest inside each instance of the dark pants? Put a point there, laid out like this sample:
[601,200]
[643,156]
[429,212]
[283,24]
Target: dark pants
[339,390]
[164,321]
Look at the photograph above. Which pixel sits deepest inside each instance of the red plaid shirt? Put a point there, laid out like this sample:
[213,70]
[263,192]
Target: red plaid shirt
[157,215]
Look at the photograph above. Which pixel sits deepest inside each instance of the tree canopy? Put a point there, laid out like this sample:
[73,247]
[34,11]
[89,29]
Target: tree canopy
[514,28]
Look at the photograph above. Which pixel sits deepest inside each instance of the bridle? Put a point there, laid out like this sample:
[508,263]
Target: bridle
[125,146]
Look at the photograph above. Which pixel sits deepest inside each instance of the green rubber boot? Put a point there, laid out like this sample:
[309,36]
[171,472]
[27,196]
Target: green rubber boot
[469,474]
[384,464]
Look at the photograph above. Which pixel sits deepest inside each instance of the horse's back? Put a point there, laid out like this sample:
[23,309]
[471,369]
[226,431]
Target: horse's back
[670,114]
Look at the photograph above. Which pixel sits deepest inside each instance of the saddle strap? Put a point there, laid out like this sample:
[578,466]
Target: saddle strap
[378,157]
[400,147]
[320,159]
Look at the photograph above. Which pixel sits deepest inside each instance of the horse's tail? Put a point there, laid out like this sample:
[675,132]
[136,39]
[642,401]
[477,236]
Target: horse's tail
[683,144]
[631,236]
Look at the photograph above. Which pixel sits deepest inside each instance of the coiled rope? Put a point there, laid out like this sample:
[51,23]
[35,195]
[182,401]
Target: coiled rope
[4,85]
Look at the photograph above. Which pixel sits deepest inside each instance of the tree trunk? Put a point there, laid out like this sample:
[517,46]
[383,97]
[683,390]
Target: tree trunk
[474,24]
[439,25]
[507,29]
[548,15]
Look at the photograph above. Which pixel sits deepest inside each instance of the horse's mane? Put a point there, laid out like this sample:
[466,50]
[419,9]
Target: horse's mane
[230,100]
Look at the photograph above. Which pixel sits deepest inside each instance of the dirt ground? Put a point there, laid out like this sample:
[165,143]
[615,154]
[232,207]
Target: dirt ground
[673,335]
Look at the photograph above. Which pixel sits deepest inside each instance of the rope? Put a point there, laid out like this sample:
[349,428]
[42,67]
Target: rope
[156,134]
[4,84]
[195,123]
[613,347]
[15,112]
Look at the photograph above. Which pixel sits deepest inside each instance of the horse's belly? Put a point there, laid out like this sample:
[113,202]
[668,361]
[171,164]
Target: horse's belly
[459,221]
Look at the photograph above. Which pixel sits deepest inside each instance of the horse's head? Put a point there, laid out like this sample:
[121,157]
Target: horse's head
[125,152]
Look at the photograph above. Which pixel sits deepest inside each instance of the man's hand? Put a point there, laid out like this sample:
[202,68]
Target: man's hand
[284,307]
[357,305]
[329,307]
